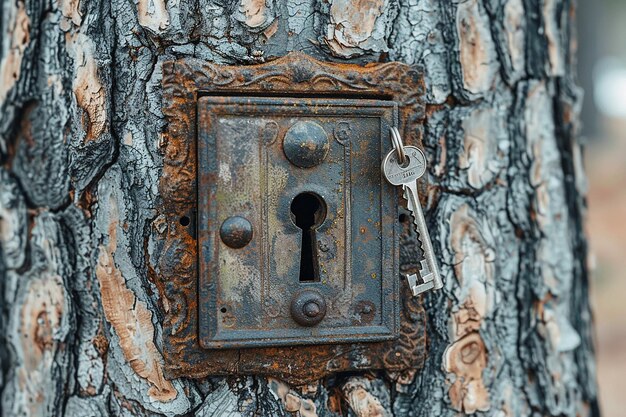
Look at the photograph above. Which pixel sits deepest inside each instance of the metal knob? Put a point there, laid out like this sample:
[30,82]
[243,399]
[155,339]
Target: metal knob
[236,232]
[306,144]
[308,307]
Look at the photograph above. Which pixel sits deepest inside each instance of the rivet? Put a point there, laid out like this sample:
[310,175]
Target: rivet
[323,245]
[306,144]
[308,307]
[236,232]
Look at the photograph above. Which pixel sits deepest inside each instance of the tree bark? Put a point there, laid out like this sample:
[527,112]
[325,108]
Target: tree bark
[80,98]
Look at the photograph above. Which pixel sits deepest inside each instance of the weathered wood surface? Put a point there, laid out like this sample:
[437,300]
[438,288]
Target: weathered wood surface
[80,123]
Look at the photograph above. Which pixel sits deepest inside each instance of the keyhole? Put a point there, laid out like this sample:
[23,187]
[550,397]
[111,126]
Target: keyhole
[308,212]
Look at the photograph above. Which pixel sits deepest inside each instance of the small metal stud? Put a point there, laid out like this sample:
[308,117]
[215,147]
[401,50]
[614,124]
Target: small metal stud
[308,307]
[236,232]
[306,144]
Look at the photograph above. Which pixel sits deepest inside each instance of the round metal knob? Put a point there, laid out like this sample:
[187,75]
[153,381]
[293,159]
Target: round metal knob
[236,232]
[308,307]
[306,144]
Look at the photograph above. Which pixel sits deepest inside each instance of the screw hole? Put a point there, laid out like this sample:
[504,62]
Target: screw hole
[403,218]
[185,220]
[223,309]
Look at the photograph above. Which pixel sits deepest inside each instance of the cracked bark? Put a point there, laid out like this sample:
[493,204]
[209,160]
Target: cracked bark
[80,122]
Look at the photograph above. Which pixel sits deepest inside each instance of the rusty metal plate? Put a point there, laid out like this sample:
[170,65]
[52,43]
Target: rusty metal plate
[246,293]
[211,110]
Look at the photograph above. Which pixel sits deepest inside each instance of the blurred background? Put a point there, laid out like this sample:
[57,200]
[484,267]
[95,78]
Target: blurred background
[602,73]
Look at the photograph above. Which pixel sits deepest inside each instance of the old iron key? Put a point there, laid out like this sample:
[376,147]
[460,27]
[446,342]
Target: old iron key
[403,165]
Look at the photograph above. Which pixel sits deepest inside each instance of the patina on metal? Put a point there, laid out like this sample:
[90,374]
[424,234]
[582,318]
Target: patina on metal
[206,106]
[306,144]
[344,199]
[236,232]
[308,307]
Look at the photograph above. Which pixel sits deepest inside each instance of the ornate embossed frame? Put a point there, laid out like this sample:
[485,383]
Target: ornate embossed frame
[173,249]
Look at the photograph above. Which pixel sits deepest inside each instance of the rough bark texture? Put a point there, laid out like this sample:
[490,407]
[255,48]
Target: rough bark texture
[80,122]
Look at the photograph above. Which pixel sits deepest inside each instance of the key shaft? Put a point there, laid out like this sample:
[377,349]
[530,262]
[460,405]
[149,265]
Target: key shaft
[429,271]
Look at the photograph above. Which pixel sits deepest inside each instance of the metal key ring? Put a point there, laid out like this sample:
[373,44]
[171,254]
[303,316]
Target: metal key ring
[396,140]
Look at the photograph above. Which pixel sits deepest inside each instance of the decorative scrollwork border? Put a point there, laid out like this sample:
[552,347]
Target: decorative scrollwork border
[173,257]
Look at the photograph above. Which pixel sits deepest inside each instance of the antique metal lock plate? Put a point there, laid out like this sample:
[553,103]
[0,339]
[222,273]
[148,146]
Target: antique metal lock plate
[275,249]
[296,225]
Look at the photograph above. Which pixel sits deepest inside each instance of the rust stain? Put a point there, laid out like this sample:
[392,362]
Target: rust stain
[352,25]
[17,38]
[131,320]
[153,15]
[90,95]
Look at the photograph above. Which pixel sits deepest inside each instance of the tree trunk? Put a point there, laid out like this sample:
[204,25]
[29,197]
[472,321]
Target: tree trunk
[80,123]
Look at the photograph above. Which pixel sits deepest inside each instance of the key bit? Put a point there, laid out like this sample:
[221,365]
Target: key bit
[416,288]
